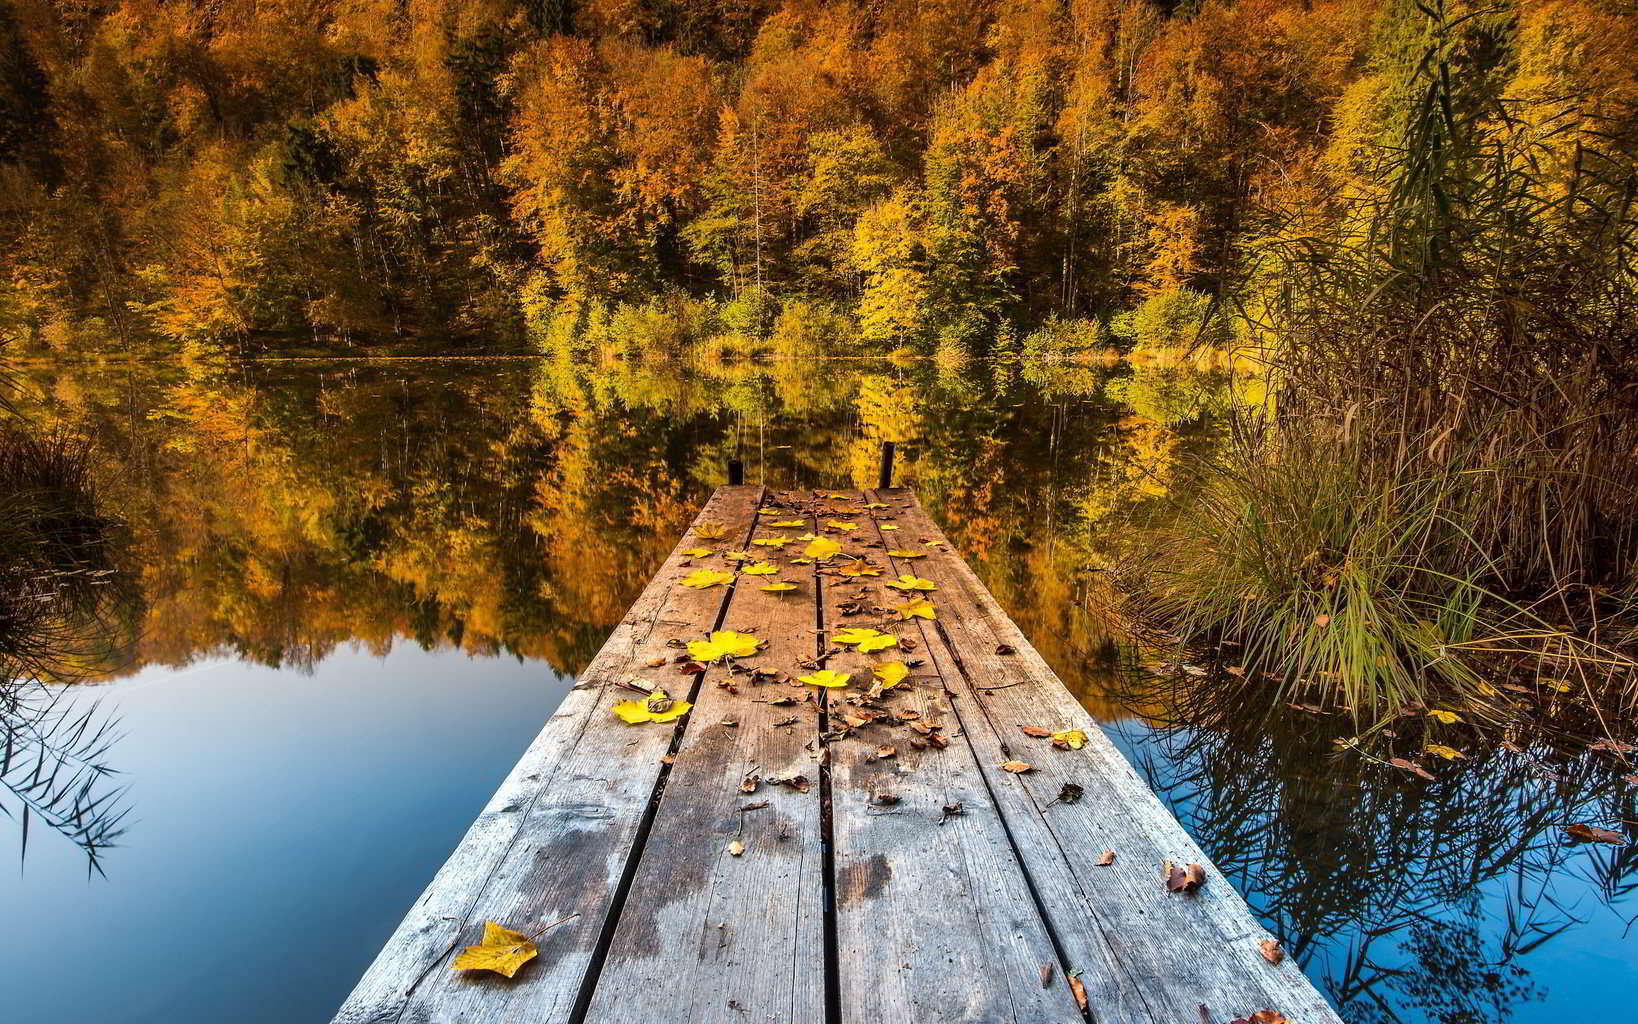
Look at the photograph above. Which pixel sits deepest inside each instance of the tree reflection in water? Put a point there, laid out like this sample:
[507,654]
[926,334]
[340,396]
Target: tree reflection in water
[1409,900]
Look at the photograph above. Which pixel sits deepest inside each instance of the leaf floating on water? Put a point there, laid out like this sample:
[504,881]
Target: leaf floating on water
[864,639]
[1443,716]
[699,579]
[779,588]
[656,707]
[1412,767]
[1448,753]
[909,582]
[1583,833]
[1069,739]
[1017,767]
[1271,951]
[826,678]
[890,673]
[502,951]
[760,569]
[918,608]
[821,548]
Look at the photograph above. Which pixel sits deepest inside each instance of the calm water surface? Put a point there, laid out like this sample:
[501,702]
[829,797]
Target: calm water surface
[361,587]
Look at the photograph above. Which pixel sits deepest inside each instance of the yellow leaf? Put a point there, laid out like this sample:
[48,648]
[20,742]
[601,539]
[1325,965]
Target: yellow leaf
[808,536]
[778,588]
[835,525]
[890,673]
[656,707]
[502,951]
[908,554]
[822,548]
[909,582]
[889,526]
[723,642]
[786,524]
[699,579]
[738,556]
[917,608]
[825,677]
[697,552]
[866,640]
[874,504]
[771,542]
[933,543]
[1446,717]
[1448,753]
[861,569]
[1017,767]
[1074,739]
[760,569]
[710,531]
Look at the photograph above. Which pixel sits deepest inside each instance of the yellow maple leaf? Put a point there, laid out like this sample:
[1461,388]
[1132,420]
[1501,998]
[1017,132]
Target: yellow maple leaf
[908,554]
[656,707]
[760,569]
[502,951]
[916,608]
[738,556]
[889,526]
[710,531]
[909,582]
[1074,739]
[835,524]
[890,673]
[771,542]
[786,524]
[874,504]
[723,642]
[779,588]
[861,569]
[821,548]
[865,640]
[825,677]
[697,552]
[1448,753]
[699,579]
[1446,717]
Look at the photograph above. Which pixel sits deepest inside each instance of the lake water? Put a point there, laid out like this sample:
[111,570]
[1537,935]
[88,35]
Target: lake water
[361,587]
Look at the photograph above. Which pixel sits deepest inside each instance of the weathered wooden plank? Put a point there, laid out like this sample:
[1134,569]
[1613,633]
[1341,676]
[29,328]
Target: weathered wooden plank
[1147,955]
[934,919]
[553,843]
[708,936]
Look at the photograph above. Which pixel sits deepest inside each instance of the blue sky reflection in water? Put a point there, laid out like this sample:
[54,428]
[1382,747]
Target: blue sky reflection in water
[282,824]
[461,515]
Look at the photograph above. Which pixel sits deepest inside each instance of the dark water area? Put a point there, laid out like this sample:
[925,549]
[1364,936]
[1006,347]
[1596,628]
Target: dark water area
[359,587]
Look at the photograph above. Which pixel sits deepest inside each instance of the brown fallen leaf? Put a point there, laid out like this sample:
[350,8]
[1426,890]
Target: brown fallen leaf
[951,811]
[754,807]
[1035,731]
[796,782]
[1005,649]
[1017,767]
[1184,879]
[1107,859]
[1263,1017]
[736,848]
[1046,975]
[502,951]
[885,799]
[886,750]
[1412,767]
[656,662]
[1270,948]
[750,783]
[1583,833]
[1078,989]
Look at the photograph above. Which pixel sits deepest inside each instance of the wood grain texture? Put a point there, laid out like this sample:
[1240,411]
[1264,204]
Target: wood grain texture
[707,936]
[554,841]
[934,919]
[1147,955]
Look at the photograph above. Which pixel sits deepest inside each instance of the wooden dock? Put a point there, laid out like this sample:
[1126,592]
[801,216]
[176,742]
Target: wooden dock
[787,853]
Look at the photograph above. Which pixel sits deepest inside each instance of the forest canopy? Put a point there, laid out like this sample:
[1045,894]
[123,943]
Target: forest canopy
[261,176]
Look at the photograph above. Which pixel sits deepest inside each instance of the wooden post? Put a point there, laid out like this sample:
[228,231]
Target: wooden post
[885,480]
[736,472]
